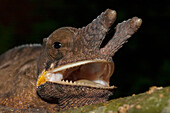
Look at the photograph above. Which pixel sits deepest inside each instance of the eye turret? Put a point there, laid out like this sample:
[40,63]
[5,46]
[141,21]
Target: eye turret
[59,43]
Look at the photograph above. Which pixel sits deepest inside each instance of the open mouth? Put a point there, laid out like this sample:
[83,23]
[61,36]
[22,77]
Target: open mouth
[93,73]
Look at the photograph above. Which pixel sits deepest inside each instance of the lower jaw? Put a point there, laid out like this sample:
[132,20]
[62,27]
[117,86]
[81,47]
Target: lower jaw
[69,96]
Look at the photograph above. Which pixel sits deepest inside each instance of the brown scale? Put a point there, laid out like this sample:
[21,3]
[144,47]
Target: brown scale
[23,87]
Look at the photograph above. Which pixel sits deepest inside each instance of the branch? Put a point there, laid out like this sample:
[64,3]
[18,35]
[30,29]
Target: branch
[156,100]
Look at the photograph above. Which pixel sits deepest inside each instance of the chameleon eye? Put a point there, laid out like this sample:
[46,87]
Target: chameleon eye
[57,45]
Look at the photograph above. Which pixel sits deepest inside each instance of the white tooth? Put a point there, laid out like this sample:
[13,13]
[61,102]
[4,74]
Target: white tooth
[67,81]
[71,82]
[52,65]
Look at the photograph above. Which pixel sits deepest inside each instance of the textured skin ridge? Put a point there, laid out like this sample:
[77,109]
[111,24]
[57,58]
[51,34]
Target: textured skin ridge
[95,32]
[124,31]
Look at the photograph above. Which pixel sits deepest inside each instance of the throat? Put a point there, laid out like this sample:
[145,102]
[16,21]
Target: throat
[68,96]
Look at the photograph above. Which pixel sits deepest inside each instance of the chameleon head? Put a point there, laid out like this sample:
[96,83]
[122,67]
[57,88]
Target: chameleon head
[72,61]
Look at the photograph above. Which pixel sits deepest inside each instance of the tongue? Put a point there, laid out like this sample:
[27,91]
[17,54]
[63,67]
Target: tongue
[101,82]
[93,83]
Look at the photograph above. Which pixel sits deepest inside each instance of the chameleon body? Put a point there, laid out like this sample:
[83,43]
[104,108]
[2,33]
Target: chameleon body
[69,70]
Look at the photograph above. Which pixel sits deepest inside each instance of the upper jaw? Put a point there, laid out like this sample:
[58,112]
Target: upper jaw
[93,73]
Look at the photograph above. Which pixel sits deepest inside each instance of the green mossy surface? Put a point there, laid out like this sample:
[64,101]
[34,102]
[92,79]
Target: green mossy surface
[156,100]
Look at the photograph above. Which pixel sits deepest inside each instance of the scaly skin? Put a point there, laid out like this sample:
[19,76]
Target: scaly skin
[22,86]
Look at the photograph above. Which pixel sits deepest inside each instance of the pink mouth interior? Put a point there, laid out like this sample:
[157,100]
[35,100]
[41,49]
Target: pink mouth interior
[98,73]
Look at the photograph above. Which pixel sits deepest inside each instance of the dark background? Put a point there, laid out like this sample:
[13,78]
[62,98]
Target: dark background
[143,62]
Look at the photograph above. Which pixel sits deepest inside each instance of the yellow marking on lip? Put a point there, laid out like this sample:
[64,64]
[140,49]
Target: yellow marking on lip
[42,79]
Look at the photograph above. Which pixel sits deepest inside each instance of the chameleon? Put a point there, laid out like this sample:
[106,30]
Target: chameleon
[70,69]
